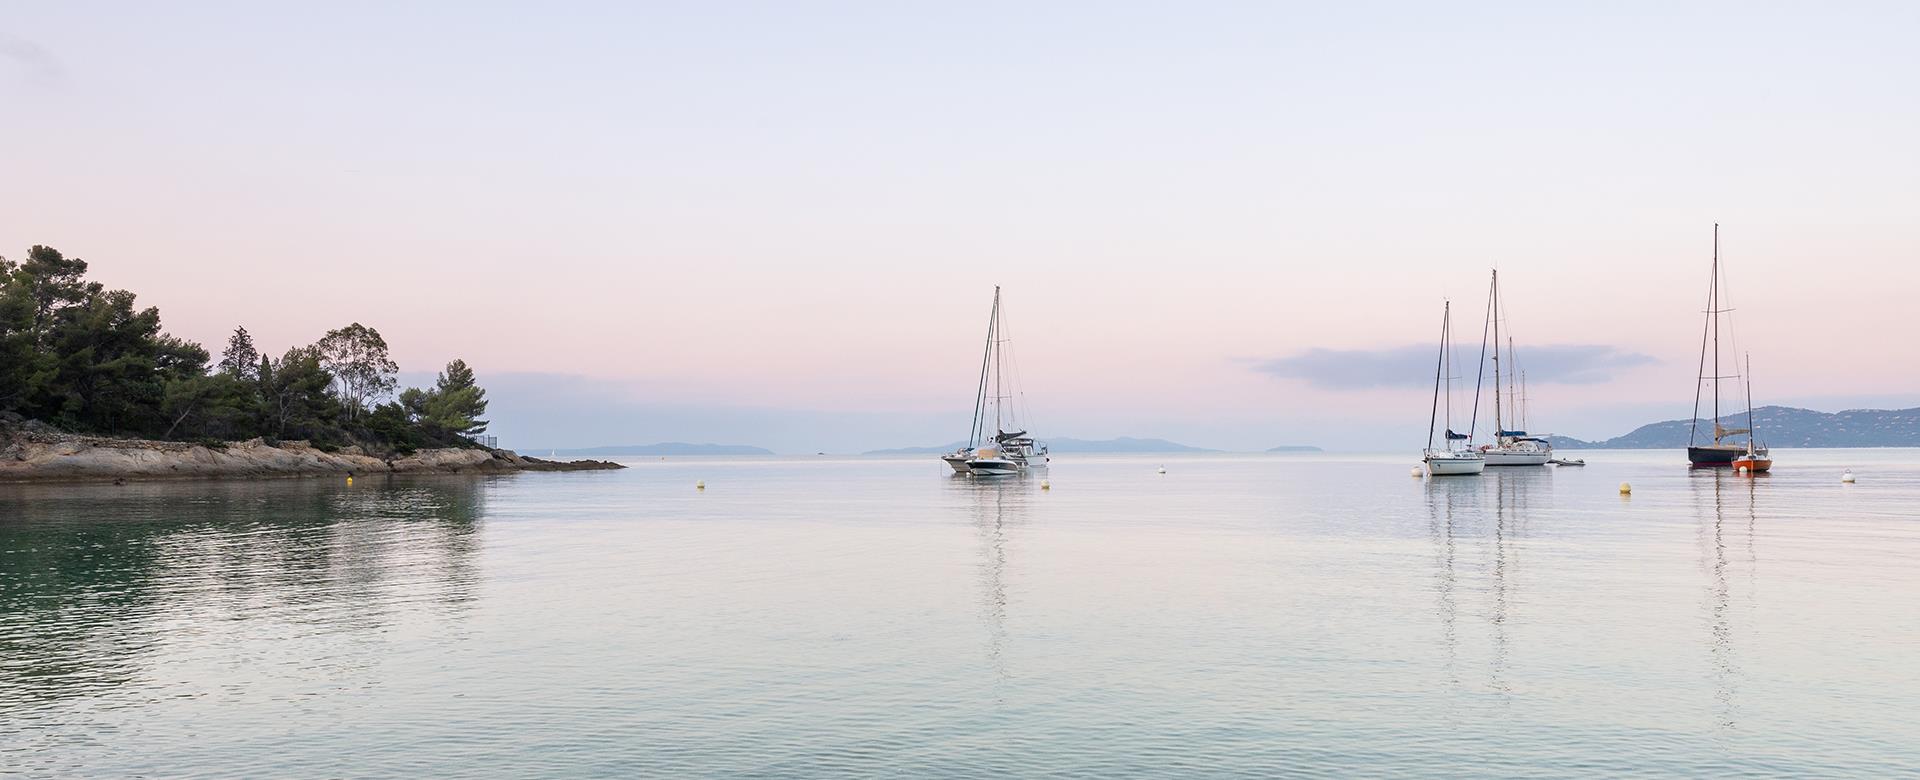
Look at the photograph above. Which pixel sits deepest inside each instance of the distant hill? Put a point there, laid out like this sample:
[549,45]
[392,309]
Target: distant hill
[1295,448]
[668,448]
[940,450]
[1779,426]
[1122,444]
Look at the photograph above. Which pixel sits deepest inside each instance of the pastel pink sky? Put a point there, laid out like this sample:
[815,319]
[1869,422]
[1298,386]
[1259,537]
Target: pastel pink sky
[785,210]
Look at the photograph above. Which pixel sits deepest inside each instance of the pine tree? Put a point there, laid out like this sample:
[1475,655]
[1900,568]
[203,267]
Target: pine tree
[241,360]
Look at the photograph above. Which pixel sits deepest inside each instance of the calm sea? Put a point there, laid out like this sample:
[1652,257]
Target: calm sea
[842,617]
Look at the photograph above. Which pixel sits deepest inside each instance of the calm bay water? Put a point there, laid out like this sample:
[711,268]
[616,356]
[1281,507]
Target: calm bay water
[1239,615]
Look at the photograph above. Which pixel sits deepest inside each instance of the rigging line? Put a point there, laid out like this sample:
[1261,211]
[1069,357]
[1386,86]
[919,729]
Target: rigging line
[1749,371]
[1439,363]
[1493,317]
[1481,375]
[1715,287]
[980,392]
[1022,415]
[1700,377]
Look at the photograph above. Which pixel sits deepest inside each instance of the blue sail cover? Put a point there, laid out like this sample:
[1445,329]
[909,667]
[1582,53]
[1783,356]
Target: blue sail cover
[1451,436]
[1511,433]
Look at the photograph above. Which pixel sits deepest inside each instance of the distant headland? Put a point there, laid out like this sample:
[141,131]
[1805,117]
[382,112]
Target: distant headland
[91,387]
[1065,445]
[668,448]
[1778,426]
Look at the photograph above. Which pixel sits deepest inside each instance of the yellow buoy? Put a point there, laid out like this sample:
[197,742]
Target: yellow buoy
[1045,485]
[349,481]
[1625,489]
[701,485]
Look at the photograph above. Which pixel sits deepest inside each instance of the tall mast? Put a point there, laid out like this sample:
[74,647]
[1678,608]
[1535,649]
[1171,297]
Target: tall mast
[1706,328]
[999,365]
[1498,426]
[1446,350]
[1713,302]
[980,390]
[1748,377]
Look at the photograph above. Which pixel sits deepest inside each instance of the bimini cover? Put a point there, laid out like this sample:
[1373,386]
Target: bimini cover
[1451,436]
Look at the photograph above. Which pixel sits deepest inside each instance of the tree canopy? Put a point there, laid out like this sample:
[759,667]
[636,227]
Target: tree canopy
[85,358]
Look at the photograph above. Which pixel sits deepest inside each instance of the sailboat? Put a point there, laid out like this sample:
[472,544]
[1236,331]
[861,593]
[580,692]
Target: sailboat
[1509,447]
[1723,451]
[1005,453]
[1447,460]
[1756,459]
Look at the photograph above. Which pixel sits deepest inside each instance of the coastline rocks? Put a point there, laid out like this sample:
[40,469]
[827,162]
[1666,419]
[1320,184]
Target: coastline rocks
[36,454]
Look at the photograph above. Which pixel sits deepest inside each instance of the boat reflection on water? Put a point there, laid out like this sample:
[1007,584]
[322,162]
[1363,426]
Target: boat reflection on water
[997,507]
[1477,526]
[1726,504]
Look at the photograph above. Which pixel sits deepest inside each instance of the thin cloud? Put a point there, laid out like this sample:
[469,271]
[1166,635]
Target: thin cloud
[32,59]
[1412,366]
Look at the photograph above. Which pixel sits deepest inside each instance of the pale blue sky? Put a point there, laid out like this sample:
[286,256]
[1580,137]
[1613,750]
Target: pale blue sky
[790,209]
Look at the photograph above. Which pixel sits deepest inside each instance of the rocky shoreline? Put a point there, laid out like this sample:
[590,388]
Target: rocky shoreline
[40,454]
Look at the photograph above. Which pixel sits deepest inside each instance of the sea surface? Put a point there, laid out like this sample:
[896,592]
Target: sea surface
[1256,616]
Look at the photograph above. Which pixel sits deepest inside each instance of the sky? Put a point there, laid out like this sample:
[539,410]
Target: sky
[1232,225]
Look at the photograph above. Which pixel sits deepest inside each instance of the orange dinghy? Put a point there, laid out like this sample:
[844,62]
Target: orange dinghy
[1753,463]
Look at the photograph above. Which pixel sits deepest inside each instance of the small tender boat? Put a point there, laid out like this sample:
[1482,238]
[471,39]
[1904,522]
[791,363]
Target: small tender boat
[1753,463]
[1446,460]
[1568,462]
[1755,459]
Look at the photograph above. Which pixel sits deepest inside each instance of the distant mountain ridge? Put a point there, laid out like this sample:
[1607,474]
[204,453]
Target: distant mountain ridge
[1122,444]
[1778,426]
[669,448]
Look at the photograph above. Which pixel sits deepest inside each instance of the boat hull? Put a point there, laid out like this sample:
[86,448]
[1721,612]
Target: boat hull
[1714,456]
[958,462]
[993,467]
[1455,467]
[1753,465]
[1528,457]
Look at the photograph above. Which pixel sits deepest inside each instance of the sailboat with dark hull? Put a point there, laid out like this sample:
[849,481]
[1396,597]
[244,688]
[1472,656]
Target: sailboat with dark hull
[1725,446]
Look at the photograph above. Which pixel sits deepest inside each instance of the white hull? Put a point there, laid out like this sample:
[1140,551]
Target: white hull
[993,467]
[958,462]
[1527,457]
[1455,464]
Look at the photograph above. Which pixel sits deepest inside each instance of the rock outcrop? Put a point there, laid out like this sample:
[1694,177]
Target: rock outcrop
[38,453]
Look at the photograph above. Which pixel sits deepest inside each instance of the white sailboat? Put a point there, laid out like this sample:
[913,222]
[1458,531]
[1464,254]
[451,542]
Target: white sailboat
[1510,447]
[1005,452]
[1448,460]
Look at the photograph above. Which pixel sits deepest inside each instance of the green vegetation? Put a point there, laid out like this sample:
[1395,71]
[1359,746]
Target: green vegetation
[81,357]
